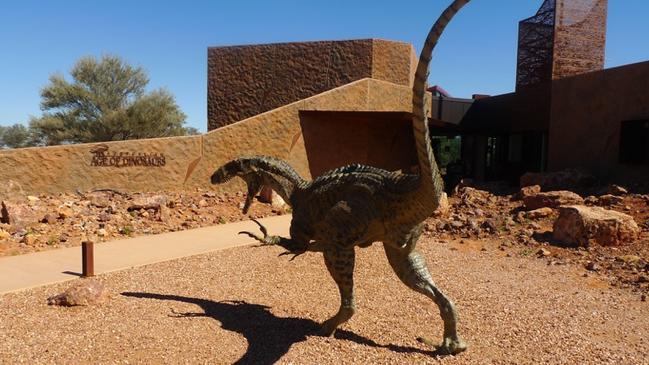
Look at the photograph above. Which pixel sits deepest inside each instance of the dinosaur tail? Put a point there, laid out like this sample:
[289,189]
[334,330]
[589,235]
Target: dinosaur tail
[432,184]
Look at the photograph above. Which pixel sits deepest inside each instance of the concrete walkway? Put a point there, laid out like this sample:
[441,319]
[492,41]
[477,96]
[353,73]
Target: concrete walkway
[47,267]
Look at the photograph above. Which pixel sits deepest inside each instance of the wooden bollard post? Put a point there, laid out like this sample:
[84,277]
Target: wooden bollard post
[87,259]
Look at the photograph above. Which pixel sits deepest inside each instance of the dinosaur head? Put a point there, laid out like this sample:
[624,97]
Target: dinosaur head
[245,169]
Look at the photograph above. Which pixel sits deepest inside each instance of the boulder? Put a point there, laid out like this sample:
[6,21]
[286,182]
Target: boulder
[18,214]
[65,211]
[154,202]
[99,199]
[84,292]
[557,180]
[609,199]
[444,207]
[470,197]
[539,213]
[551,199]
[616,190]
[580,225]
[269,196]
[527,191]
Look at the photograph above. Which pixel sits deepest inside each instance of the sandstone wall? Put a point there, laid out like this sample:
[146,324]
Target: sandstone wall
[187,162]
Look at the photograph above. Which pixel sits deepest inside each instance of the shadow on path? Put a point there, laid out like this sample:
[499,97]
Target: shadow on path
[269,337]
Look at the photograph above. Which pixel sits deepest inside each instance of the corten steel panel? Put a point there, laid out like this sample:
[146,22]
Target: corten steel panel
[587,111]
[535,46]
[564,38]
[244,81]
[380,139]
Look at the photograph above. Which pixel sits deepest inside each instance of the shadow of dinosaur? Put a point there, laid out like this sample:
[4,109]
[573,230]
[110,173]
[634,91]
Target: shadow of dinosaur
[269,337]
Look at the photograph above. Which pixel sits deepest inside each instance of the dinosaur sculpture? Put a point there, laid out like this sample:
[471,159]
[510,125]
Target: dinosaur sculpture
[357,205]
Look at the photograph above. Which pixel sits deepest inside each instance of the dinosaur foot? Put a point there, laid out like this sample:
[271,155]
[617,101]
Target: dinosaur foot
[328,328]
[450,345]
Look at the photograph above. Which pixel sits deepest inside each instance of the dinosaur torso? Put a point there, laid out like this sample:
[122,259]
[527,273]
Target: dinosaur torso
[364,203]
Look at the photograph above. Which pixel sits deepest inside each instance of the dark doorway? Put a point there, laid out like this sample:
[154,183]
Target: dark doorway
[634,142]
[381,139]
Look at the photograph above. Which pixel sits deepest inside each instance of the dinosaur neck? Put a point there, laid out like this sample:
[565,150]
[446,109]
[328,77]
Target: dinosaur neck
[431,185]
[280,176]
[281,185]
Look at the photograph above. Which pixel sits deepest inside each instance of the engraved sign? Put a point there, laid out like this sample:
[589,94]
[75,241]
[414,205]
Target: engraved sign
[102,158]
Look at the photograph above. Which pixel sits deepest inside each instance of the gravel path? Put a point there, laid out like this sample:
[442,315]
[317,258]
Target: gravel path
[247,305]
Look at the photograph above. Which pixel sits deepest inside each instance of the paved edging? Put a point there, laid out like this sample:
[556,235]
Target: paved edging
[48,267]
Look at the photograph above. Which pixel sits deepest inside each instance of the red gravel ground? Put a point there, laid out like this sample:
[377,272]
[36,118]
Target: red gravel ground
[247,306]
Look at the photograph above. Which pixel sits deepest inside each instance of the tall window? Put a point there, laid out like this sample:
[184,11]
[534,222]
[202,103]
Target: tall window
[634,142]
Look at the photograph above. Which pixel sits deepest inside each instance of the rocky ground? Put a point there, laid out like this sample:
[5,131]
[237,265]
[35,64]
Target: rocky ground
[521,222]
[526,293]
[248,306]
[479,216]
[36,223]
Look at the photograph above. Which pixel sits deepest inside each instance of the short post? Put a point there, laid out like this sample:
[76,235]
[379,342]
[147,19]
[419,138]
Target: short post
[87,259]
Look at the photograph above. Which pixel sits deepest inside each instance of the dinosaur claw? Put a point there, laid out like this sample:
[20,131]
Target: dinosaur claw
[261,227]
[285,253]
[252,235]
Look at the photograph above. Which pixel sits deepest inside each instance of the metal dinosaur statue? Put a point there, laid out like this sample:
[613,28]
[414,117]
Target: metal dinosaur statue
[357,205]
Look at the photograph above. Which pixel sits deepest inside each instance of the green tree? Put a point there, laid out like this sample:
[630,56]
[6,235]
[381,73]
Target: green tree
[15,136]
[106,101]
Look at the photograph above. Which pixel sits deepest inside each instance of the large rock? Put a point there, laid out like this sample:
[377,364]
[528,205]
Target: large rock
[84,292]
[615,190]
[444,207]
[157,203]
[269,196]
[609,199]
[539,213]
[551,199]
[154,202]
[470,197]
[580,225]
[557,180]
[527,191]
[18,214]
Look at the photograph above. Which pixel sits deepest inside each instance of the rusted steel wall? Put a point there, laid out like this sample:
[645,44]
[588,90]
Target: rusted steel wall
[244,81]
[587,113]
[564,38]
[535,46]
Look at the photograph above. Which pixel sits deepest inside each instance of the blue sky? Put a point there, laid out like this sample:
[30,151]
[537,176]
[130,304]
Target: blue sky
[169,39]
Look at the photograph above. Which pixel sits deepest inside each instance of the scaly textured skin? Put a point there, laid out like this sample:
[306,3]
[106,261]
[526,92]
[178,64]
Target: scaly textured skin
[357,205]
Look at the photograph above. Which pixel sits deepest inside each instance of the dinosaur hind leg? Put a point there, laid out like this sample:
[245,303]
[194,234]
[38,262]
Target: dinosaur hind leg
[340,262]
[410,267]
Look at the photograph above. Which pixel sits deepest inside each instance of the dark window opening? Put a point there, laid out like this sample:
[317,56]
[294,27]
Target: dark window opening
[634,142]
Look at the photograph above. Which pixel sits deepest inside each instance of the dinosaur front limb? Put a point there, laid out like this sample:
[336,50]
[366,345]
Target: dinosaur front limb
[293,247]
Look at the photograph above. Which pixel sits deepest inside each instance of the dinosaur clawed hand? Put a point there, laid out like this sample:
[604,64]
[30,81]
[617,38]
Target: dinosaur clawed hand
[292,248]
[266,240]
